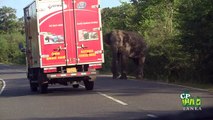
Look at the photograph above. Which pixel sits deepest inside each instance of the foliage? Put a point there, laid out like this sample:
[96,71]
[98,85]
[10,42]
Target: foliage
[178,33]
[10,29]
[8,22]
[118,17]
[196,26]
[9,50]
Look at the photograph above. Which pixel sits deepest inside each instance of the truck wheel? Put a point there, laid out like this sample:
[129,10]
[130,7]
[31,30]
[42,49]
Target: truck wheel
[43,84]
[34,87]
[43,88]
[89,84]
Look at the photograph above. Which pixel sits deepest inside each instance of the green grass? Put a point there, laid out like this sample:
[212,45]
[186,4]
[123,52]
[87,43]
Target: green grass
[205,86]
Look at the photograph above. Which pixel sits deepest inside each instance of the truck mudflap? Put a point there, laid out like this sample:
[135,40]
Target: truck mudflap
[70,75]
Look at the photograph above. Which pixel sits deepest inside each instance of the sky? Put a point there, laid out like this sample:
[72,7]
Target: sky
[20,4]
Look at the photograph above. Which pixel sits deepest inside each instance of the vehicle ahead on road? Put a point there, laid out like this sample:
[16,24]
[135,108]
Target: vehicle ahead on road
[63,42]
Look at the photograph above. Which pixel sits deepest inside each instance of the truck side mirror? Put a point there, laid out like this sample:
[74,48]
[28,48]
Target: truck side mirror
[21,47]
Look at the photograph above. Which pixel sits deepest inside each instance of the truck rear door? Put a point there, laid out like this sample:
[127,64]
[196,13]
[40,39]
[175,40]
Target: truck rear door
[70,32]
[88,31]
[52,33]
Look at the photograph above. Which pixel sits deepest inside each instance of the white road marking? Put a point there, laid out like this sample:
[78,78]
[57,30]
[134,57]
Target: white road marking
[3,87]
[109,97]
[82,86]
[151,115]
[113,99]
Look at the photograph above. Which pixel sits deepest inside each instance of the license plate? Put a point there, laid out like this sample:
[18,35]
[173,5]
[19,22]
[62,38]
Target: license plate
[71,70]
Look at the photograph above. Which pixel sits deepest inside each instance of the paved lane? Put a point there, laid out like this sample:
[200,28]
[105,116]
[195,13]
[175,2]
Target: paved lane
[111,99]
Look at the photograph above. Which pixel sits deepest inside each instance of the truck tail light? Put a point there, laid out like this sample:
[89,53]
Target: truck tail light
[50,70]
[95,66]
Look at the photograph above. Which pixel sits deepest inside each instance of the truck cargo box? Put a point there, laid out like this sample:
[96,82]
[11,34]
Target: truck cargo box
[63,42]
[63,32]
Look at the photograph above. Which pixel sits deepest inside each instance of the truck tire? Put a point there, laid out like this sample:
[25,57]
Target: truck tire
[89,85]
[33,87]
[43,88]
[42,82]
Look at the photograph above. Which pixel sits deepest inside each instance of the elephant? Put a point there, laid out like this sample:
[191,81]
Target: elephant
[126,45]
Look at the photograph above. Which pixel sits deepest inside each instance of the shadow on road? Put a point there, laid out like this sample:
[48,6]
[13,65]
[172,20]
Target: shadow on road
[138,87]
[20,87]
[19,92]
[205,114]
[144,91]
[12,72]
[102,116]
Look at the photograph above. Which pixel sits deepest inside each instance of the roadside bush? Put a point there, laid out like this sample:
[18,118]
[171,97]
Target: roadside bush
[9,49]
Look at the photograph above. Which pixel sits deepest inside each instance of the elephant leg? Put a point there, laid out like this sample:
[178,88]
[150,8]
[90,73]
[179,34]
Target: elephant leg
[114,69]
[114,64]
[141,62]
[123,65]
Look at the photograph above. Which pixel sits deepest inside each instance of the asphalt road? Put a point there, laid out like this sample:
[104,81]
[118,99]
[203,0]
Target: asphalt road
[110,99]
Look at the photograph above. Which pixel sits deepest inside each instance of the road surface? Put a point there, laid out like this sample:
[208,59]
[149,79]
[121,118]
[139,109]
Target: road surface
[110,99]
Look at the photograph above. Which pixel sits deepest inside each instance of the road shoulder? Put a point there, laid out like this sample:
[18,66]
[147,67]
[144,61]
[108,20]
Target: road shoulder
[195,86]
[2,85]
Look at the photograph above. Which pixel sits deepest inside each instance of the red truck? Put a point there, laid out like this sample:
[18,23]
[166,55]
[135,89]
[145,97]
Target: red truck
[63,42]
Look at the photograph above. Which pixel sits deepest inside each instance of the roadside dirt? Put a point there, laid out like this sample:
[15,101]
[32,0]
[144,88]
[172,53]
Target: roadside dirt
[1,84]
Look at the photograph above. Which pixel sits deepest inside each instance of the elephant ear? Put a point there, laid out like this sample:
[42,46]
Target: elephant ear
[106,38]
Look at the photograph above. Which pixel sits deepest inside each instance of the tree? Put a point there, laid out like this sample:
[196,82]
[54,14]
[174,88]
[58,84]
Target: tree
[10,29]
[196,36]
[119,17]
[20,25]
[3,50]
[156,20]
[8,21]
